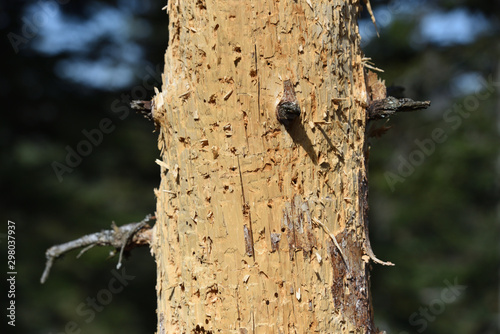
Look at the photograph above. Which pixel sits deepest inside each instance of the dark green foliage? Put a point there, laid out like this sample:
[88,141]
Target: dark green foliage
[43,113]
[438,222]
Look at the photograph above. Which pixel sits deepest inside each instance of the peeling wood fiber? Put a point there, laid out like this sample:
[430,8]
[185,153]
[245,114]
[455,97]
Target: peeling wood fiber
[235,248]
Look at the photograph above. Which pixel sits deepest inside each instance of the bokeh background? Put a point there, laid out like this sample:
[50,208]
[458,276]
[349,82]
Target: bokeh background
[68,66]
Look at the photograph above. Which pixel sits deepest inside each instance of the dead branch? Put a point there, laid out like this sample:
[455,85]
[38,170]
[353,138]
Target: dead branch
[124,238]
[145,108]
[390,105]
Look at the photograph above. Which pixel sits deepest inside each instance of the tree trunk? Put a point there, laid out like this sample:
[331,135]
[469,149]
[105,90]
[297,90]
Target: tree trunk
[248,207]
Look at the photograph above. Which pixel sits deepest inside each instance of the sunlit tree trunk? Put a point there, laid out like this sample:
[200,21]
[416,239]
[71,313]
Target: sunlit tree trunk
[248,208]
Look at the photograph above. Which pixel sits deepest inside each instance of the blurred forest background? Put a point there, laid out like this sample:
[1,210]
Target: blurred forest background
[70,67]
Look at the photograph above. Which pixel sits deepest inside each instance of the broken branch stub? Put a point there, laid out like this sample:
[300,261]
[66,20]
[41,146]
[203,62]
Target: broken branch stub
[288,108]
[384,108]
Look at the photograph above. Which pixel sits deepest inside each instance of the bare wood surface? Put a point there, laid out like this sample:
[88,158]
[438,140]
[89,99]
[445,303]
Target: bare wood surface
[235,243]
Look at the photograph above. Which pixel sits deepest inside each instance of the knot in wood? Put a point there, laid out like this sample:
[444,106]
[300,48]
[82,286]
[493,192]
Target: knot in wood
[288,108]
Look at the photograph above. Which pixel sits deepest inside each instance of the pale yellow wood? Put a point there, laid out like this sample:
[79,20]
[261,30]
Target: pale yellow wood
[235,241]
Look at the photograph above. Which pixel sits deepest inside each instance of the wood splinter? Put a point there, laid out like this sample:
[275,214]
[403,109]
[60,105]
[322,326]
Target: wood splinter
[334,239]
[390,105]
[124,237]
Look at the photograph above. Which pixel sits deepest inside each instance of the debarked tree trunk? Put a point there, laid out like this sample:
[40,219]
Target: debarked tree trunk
[261,224]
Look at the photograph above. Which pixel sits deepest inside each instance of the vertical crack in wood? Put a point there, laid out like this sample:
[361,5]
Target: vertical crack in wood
[247,230]
[246,136]
[238,307]
[253,322]
[258,79]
